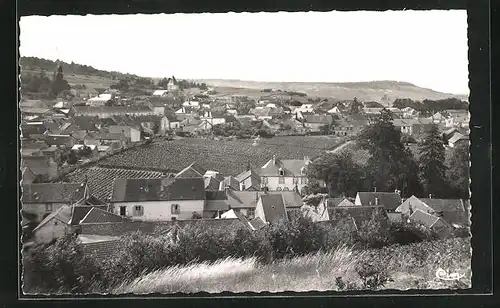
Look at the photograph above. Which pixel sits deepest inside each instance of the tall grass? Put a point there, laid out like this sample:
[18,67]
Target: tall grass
[306,273]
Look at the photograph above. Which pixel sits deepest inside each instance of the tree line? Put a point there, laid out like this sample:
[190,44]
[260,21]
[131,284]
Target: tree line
[429,107]
[40,83]
[392,166]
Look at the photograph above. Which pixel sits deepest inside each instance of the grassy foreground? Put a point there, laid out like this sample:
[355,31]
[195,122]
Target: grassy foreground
[399,267]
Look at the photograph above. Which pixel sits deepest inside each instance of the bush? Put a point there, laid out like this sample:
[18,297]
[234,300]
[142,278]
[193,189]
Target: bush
[407,233]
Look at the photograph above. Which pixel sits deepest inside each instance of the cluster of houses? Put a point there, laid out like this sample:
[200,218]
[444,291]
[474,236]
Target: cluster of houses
[102,203]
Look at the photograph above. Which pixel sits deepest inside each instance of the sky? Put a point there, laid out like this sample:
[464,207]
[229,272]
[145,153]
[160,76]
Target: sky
[426,48]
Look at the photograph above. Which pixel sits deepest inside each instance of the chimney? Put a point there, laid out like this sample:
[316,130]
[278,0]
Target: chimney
[375,189]
[410,207]
[430,196]
[376,201]
[274,159]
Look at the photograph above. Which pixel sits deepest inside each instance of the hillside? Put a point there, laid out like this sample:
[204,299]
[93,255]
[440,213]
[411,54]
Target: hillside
[381,91]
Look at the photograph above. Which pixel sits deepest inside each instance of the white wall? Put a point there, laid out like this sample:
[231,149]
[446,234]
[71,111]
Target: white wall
[273,182]
[53,229]
[259,211]
[161,210]
[135,135]
[39,208]
[415,204]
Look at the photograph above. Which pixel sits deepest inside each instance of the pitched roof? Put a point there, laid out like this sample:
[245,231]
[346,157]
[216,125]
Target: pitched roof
[231,182]
[110,109]
[334,201]
[211,183]
[389,200]
[290,167]
[130,190]
[424,218]
[102,249]
[261,112]
[97,215]
[193,170]
[62,214]
[58,139]
[100,179]
[411,122]
[257,223]
[440,205]
[456,137]
[252,175]
[53,192]
[345,202]
[249,199]
[274,207]
[216,201]
[460,218]
[318,118]
[79,212]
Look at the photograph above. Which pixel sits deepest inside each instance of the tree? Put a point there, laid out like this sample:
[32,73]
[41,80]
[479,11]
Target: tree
[72,158]
[58,82]
[431,162]
[339,171]
[389,166]
[356,106]
[458,170]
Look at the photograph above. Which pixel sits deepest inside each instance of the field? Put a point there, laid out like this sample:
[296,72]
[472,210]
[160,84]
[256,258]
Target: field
[412,266]
[229,157]
[365,91]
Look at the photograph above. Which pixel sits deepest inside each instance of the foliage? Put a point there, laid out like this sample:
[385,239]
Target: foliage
[432,163]
[390,165]
[428,107]
[58,82]
[458,170]
[409,232]
[373,276]
[314,200]
[84,151]
[339,171]
[355,106]
[374,233]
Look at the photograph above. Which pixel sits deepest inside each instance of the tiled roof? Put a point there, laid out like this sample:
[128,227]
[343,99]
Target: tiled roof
[345,202]
[260,112]
[440,205]
[100,180]
[389,200]
[249,199]
[231,182]
[193,170]
[53,192]
[96,215]
[110,109]
[423,218]
[129,190]
[79,212]
[102,249]
[411,122]
[274,207]
[216,201]
[211,183]
[456,137]
[257,223]
[332,202]
[254,179]
[62,214]
[291,167]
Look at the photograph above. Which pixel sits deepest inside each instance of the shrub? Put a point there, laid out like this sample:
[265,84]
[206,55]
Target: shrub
[373,276]
[407,233]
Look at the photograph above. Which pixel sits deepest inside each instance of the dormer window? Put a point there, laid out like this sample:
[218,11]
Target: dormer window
[281,172]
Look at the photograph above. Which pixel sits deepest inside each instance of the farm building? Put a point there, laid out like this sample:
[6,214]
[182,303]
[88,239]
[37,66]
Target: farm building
[284,174]
[54,226]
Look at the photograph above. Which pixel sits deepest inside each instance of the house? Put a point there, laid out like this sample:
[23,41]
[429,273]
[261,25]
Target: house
[232,183]
[315,122]
[54,226]
[245,202]
[32,128]
[434,223]
[160,93]
[447,134]
[248,180]
[389,200]
[284,174]
[41,199]
[192,171]
[99,215]
[109,111]
[169,122]
[442,118]
[28,176]
[100,179]
[52,153]
[261,113]
[212,183]
[43,167]
[113,140]
[461,117]
[304,108]
[372,111]
[456,139]
[133,134]
[451,210]
[412,127]
[100,100]
[316,213]
[60,141]
[410,113]
[158,199]
[172,85]
[217,203]
[191,104]
[162,105]
[271,208]
[209,119]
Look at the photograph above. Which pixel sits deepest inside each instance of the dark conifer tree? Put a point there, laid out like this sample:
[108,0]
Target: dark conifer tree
[431,163]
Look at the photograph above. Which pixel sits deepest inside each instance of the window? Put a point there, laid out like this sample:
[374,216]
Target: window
[176,209]
[251,213]
[123,210]
[174,218]
[264,180]
[138,210]
[48,207]
[281,180]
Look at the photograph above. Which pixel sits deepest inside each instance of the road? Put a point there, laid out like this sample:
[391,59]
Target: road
[340,147]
